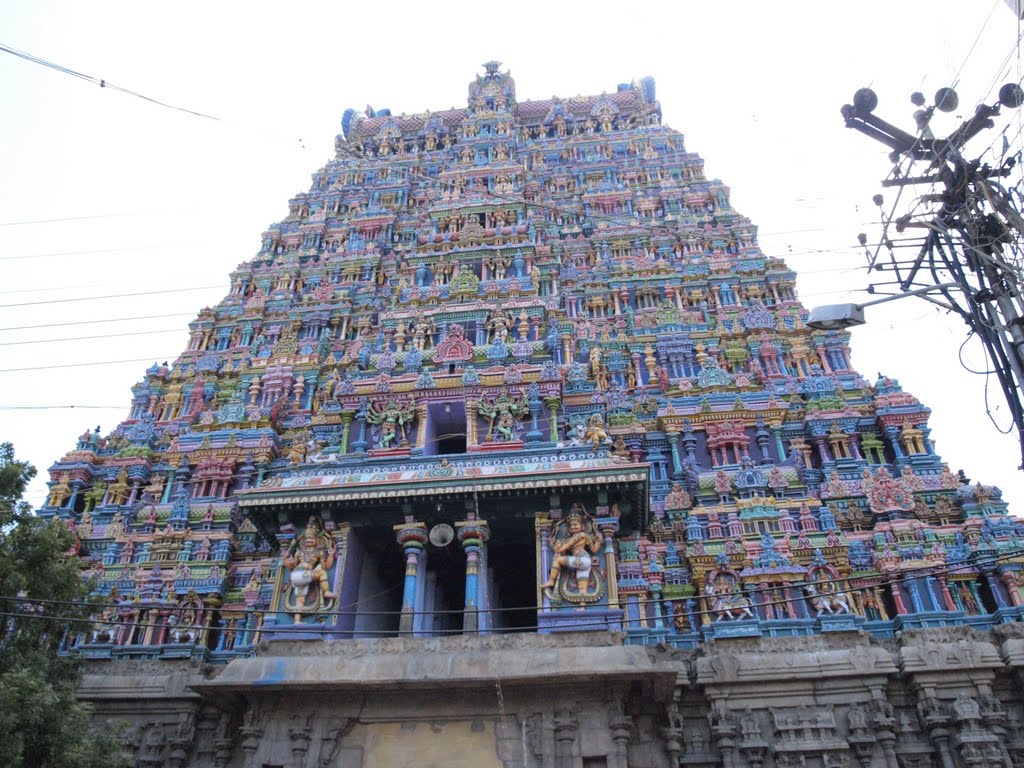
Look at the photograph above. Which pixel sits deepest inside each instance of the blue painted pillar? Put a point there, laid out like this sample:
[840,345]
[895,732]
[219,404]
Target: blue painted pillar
[658,614]
[534,435]
[412,536]
[473,535]
[167,491]
[997,590]
[76,488]
[673,439]
[915,594]
[360,445]
[892,435]
[777,434]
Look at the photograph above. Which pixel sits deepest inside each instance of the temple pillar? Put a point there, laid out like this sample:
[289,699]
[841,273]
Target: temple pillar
[300,737]
[534,435]
[819,443]
[1011,587]
[619,726]
[543,527]
[947,597]
[359,446]
[655,593]
[915,594]
[346,427]
[997,593]
[854,438]
[473,535]
[553,404]
[897,596]
[565,739]
[609,526]
[892,434]
[635,359]
[421,424]
[677,466]
[76,487]
[471,418]
[412,536]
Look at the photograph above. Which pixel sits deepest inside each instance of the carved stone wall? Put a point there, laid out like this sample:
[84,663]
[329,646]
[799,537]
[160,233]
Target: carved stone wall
[943,697]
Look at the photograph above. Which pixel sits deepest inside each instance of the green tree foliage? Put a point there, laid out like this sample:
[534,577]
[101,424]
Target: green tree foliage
[42,725]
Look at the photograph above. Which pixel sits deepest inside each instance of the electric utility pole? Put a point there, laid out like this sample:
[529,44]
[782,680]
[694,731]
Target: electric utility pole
[965,238]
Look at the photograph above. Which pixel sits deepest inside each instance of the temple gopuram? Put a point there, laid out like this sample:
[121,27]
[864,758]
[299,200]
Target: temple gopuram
[510,447]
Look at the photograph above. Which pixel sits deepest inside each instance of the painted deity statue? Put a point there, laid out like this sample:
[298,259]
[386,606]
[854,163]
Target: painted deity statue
[308,560]
[155,489]
[120,489]
[504,412]
[574,575]
[392,419]
[825,598]
[726,601]
[94,496]
[596,433]
[498,325]
[61,491]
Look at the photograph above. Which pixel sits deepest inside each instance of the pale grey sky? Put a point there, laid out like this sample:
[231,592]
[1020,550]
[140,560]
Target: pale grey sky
[142,199]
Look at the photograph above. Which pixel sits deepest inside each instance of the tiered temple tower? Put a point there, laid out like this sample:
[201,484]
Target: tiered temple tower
[521,368]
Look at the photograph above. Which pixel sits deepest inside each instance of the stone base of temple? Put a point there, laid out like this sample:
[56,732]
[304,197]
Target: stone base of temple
[933,696]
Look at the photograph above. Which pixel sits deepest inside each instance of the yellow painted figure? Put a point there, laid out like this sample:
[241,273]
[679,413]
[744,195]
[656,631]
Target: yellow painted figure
[575,544]
[308,560]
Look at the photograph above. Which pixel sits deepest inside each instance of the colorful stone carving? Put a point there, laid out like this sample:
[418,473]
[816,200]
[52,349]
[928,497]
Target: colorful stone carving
[512,309]
[309,560]
[574,571]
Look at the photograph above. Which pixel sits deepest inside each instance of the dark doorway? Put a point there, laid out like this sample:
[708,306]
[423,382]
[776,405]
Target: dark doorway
[445,589]
[446,429]
[451,444]
[512,559]
[378,603]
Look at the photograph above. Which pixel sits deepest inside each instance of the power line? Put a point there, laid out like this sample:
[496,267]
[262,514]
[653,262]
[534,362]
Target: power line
[60,407]
[89,252]
[102,83]
[26,222]
[346,150]
[85,338]
[99,82]
[984,26]
[94,322]
[80,365]
[110,296]
[49,289]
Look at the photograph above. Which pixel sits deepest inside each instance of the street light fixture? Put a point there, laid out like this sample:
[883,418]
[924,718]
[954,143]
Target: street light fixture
[836,317]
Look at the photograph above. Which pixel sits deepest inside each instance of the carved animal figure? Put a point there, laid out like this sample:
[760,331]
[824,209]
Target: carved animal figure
[827,602]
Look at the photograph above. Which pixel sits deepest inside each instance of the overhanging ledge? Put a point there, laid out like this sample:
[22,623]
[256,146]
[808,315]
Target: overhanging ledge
[427,479]
[463,662]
